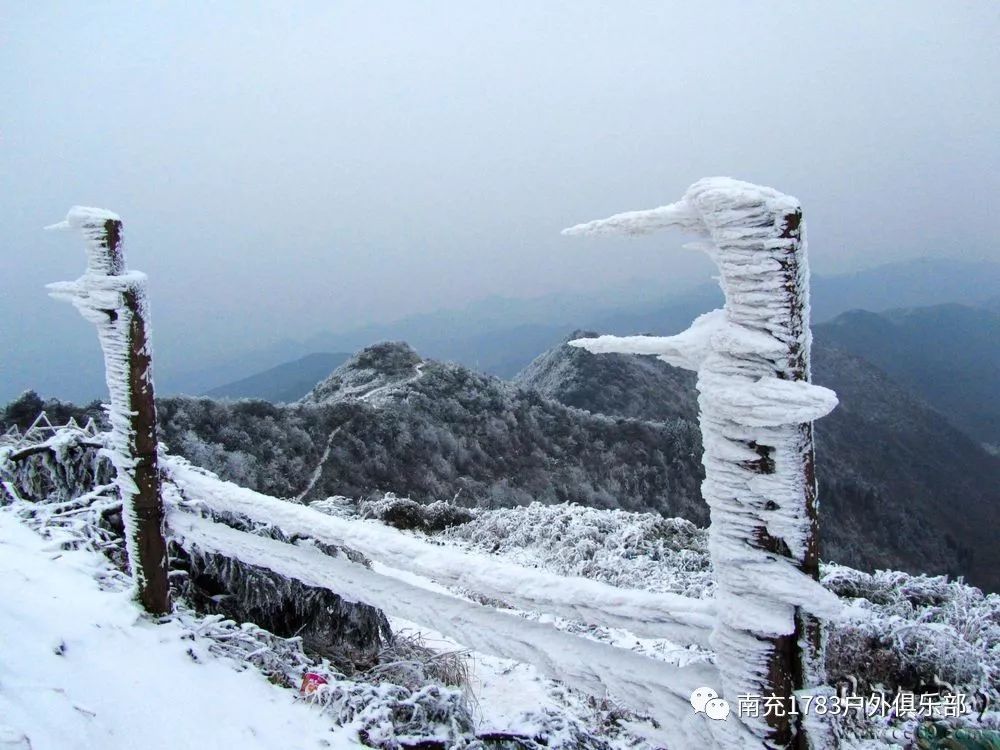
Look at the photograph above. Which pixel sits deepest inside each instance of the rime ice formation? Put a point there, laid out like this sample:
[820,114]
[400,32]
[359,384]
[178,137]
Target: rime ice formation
[756,411]
[114,300]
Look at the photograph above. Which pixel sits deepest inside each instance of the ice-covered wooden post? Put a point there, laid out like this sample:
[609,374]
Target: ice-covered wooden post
[756,411]
[114,299]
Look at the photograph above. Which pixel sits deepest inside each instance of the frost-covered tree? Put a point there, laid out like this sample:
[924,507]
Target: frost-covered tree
[756,407]
[114,300]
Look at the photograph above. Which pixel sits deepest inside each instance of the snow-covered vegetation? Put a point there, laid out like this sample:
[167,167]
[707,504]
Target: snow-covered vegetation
[900,632]
[907,632]
[628,550]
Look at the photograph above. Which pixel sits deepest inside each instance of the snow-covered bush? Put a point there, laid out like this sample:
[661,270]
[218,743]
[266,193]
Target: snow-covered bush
[391,717]
[407,660]
[404,513]
[64,487]
[914,633]
[628,550]
[63,467]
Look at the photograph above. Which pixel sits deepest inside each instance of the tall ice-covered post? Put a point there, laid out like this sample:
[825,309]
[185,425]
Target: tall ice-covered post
[114,299]
[756,410]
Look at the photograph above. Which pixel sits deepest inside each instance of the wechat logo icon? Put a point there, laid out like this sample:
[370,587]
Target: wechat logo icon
[706,701]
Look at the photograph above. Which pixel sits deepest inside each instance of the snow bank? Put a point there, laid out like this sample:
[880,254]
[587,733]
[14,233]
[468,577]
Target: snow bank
[82,668]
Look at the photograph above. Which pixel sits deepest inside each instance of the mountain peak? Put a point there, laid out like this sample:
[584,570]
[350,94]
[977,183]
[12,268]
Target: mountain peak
[373,371]
[580,333]
[387,357]
[653,391]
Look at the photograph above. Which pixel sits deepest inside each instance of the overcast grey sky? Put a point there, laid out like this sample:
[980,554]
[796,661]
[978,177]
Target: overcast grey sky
[284,168]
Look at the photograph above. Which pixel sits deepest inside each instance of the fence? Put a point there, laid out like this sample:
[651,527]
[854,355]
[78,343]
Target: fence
[756,410]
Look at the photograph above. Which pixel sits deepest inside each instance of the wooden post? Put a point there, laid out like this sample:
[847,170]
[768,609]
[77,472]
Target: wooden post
[114,300]
[756,409]
[795,660]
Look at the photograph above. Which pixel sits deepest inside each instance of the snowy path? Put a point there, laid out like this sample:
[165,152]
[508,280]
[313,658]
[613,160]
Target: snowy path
[418,371]
[646,614]
[79,669]
[318,472]
[646,685]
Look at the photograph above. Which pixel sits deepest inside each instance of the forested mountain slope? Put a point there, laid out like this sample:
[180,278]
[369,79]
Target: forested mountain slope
[613,384]
[388,420]
[949,354]
[899,485]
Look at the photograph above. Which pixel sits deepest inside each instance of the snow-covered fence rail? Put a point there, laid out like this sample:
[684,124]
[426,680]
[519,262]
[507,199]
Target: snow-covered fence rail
[646,685]
[114,300]
[652,686]
[756,411]
[682,619]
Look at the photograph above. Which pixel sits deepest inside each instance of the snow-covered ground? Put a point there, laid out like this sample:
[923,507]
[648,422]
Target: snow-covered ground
[80,667]
[509,696]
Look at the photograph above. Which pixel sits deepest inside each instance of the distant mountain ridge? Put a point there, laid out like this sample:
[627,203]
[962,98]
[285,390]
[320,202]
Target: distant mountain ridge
[500,336]
[285,383]
[949,354]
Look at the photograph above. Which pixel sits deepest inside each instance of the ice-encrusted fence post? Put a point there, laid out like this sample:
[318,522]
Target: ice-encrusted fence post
[114,299]
[756,411]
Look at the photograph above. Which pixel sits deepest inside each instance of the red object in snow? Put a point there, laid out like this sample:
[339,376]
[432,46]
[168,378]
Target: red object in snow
[311,682]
